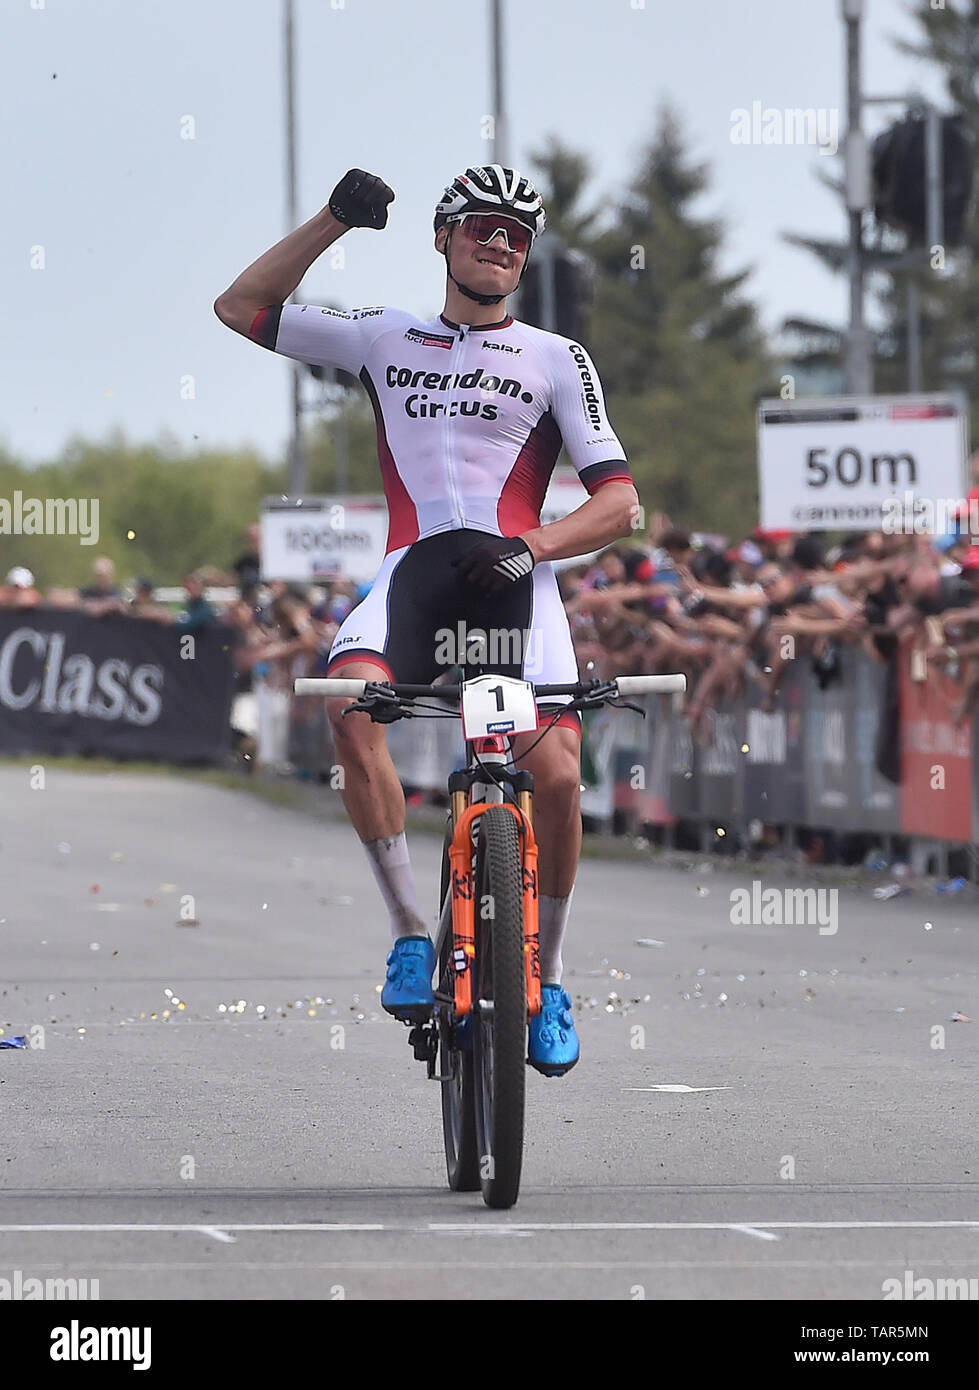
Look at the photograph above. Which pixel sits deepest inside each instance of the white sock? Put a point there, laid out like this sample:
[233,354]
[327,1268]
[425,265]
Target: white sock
[392,869]
[553,913]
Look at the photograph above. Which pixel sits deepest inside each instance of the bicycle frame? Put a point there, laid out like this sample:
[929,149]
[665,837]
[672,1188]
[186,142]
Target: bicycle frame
[482,1042]
[472,796]
[462,896]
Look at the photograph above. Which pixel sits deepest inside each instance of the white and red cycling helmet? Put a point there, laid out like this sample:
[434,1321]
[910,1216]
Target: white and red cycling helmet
[491,188]
[487,189]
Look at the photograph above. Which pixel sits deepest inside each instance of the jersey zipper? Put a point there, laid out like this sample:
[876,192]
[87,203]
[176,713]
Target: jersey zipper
[457,354]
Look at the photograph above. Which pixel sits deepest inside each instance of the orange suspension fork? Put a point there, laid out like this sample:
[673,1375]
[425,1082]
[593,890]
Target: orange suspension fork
[464,906]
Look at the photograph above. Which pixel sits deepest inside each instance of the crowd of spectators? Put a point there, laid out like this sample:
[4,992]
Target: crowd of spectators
[103,598]
[721,613]
[726,614]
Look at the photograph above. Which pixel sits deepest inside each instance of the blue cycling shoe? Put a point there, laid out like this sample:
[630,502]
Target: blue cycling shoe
[407,991]
[553,1043]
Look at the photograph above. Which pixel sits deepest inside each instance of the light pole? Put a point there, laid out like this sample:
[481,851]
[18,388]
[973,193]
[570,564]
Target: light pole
[859,361]
[297,452]
[859,357]
[546,248]
[500,131]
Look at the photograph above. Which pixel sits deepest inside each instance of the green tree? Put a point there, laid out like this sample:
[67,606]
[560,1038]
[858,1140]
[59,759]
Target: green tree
[676,341]
[947,37]
[566,173]
[342,447]
[161,511]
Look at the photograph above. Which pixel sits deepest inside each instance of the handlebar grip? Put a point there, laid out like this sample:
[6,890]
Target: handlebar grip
[651,685]
[328,685]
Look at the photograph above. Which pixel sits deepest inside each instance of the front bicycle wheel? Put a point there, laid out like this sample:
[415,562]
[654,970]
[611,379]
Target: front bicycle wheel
[455,1067]
[499,1008]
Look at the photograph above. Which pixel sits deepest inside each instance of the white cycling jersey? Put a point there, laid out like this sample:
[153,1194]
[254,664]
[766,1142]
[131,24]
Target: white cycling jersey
[470,420]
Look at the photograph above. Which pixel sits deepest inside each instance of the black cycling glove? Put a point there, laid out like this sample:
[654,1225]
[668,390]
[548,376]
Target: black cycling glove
[361,200]
[496,563]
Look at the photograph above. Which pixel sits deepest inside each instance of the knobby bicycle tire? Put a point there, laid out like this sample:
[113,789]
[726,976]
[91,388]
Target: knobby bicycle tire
[458,1093]
[500,1035]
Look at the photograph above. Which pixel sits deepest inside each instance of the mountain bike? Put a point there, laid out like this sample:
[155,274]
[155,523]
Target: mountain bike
[488,982]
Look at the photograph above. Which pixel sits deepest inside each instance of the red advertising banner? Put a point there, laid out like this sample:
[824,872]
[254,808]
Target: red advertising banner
[936,757]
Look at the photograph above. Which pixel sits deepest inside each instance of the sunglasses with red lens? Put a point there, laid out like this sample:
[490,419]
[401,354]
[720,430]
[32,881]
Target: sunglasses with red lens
[482,227]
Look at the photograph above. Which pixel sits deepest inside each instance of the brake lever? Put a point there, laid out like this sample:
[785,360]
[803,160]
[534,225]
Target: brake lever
[387,714]
[383,706]
[618,703]
[604,694]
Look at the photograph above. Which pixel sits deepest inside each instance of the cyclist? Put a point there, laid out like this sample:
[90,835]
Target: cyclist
[471,409]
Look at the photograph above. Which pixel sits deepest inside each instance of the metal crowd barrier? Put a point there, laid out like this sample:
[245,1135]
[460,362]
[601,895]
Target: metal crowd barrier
[874,751]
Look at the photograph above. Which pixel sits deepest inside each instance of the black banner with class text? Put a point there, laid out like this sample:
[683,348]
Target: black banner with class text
[119,686]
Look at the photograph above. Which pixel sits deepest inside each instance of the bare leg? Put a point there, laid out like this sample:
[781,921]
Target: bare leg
[375,802]
[556,765]
[370,787]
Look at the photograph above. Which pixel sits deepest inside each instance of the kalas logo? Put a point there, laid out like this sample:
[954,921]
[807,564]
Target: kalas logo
[590,395]
[502,347]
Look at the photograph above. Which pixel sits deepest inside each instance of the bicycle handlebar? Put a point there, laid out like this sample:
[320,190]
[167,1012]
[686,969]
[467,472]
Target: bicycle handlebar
[328,685]
[651,685]
[337,686]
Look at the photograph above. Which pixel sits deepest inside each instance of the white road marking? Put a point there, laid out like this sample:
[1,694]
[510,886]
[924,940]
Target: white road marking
[218,1234]
[754,1231]
[722,1225]
[939,1264]
[101,1228]
[482,1228]
[678,1088]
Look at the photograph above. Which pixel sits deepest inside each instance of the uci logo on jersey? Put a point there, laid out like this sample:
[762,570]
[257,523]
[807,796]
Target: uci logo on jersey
[416,335]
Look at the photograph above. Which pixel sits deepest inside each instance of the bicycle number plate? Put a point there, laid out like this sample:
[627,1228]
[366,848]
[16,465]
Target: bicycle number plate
[497,705]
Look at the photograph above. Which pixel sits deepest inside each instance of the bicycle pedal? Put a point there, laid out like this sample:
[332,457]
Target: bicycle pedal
[424,1043]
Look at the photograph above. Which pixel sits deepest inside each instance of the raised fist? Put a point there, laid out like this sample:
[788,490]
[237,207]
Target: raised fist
[361,200]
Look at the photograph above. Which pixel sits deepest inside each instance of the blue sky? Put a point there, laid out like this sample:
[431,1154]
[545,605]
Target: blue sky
[141,228]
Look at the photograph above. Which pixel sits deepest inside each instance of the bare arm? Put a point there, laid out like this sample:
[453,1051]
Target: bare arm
[732,598]
[715,626]
[604,518]
[954,617]
[801,626]
[275,275]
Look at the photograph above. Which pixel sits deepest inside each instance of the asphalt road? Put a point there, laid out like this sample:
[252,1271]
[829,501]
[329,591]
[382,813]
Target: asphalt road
[827,1143]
